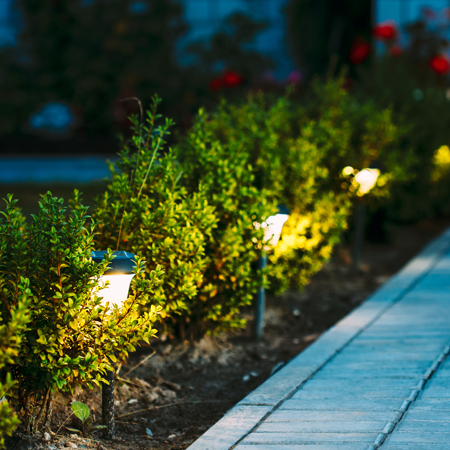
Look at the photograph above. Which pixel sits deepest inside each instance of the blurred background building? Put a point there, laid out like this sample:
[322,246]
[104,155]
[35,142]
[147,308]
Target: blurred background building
[72,69]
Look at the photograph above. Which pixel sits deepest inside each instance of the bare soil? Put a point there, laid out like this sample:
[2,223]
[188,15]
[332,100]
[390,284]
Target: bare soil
[174,396]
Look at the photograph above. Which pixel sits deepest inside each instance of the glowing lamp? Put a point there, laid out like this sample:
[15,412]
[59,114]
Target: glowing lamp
[118,275]
[273,227]
[114,285]
[367,179]
[272,232]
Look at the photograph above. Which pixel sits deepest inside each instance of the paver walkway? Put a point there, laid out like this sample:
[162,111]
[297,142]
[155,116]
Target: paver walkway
[380,378]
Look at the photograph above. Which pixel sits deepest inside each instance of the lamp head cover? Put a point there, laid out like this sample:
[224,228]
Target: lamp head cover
[283,210]
[122,264]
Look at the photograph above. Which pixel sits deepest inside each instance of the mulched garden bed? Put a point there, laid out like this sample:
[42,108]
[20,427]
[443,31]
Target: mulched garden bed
[174,396]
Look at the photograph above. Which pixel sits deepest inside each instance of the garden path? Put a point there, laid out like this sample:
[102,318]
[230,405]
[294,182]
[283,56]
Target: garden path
[380,378]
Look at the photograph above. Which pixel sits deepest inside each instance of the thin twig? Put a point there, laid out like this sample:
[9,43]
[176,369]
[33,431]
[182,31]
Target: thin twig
[120,229]
[139,102]
[149,167]
[178,178]
[63,423]
[142,362]
[169,404]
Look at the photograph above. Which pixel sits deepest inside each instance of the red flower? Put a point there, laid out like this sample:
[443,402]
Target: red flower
[232,79]
[359,51]
[216,84]
[395,51]
[440,64]
[385,31]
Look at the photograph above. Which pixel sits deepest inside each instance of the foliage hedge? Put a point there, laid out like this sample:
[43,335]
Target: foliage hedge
[192,209]
[48,263]
[297,153]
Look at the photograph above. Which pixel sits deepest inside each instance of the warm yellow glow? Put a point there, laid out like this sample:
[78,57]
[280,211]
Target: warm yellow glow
[367,179]
[116,292]
[347,171]
[442,156]
[441,163]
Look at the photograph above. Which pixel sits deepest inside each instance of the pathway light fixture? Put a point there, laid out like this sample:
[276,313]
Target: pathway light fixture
[114,286]
[273,227]
[366,180]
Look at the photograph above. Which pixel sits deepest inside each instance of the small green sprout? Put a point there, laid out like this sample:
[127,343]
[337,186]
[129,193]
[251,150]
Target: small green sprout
[81,411]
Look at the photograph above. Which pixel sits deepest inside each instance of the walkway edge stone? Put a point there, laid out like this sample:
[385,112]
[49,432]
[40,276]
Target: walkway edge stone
[239,421]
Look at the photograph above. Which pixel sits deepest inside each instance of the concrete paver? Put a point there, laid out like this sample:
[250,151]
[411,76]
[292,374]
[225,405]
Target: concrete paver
[430,415]
[307,438]
[281,415]
[346,393]
[346,404]
[416,426]
[435,404]
[323,427]
[361,383]
[411,447]
[377,379]
[305,447]
[421,437]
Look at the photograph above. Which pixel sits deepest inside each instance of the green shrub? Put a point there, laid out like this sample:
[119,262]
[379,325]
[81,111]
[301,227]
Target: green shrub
[358,133]
[290,168]
[297,152]
[418,100]
[72,333]
[223,172]
[12,323]
[147,210]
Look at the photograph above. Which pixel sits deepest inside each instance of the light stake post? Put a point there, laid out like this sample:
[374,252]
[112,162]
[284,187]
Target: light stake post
[366,179]
[359,235]
[272,232]
[119,275]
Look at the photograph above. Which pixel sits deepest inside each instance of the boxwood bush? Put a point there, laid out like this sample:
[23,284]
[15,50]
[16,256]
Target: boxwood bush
[297,152]
[48,263]
[12,323]
[285,165]
[147,210]
[224,172]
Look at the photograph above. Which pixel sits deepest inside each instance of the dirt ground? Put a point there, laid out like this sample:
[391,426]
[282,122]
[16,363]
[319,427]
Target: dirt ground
[174,396]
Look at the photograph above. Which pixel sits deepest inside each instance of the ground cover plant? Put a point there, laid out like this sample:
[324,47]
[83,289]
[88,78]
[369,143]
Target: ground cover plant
[48,263]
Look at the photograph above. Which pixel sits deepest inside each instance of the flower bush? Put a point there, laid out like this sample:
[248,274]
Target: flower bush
[48,263]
